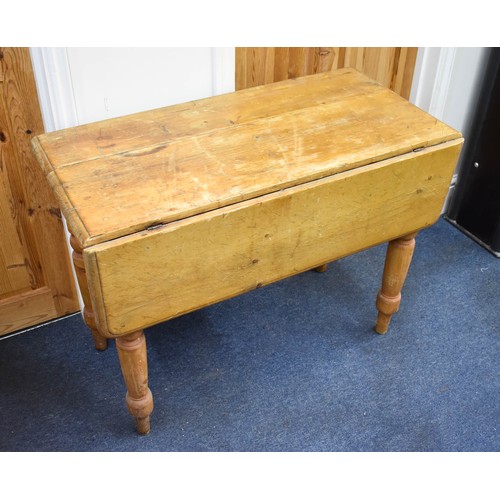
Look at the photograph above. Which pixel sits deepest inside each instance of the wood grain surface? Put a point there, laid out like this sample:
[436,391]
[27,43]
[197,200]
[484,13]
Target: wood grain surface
[24,309]
[392,67]
[397,263]
[33,251]
[118,177]
[151,276]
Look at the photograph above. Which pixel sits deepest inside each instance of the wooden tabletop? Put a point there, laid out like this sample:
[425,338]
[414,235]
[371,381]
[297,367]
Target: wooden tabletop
[120,176]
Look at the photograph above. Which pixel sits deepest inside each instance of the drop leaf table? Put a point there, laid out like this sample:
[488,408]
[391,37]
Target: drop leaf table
[177,208]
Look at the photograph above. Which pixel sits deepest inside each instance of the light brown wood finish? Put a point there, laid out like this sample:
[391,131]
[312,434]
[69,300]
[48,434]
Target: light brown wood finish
[392,67]
[133,361]
[397,263]
[100,342]
[26,309]
[151,276]
[36,282]
[164,125]
[314,127]
[179,208]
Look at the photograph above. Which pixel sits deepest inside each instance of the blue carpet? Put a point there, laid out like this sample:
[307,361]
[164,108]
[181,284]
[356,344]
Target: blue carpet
[295,366]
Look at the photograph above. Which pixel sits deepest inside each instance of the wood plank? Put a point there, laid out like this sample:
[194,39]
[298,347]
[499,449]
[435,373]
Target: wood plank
[17,241]
[241,68]
[26,309]
[256,66]
[1,66]
[327,59]
[298,62]
[259,241]
[14,273]
[385,67]
[407,69]
[269,66]
[391,66]
[281,63]
[396,76]
[356,123]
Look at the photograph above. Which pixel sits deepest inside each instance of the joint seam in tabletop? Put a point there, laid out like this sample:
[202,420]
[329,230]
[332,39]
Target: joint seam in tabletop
[215,205]
[277,85]
[207,133]
[398,101]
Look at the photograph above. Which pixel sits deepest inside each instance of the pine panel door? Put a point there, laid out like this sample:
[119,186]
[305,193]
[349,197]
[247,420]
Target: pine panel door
[36,281]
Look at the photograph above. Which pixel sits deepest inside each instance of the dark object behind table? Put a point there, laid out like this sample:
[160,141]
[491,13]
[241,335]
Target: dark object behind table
[475,206]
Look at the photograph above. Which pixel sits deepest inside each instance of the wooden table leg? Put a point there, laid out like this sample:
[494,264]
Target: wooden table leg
[134,362]
[321,269]
[100,342]
[397,262]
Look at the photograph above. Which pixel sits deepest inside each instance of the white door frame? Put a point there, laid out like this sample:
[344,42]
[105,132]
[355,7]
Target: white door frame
[55,88]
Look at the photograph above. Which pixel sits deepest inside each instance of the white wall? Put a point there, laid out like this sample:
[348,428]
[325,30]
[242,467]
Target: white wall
[465,81]
[81,85]
[110,82]
[446,83]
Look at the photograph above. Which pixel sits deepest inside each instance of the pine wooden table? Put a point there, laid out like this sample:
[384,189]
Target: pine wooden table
[181,207]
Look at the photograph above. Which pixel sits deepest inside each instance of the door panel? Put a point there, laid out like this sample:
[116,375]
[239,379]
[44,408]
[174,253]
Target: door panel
[36,282]
[391,66]
[14,273]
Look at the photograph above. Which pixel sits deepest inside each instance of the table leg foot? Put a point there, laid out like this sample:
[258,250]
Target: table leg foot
[100,342]
[134,364]
[397,262]
[321,269]
[143,425]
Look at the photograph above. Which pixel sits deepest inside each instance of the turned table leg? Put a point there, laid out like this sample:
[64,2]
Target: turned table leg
[100,342]
[397,262]
[134,362]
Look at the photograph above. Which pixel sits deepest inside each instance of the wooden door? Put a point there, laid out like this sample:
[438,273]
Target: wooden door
[391,66]
[36,281]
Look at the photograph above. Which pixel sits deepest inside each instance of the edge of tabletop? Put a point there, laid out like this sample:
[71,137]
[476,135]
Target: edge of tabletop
[78,229]
[84,236]
[75,224]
